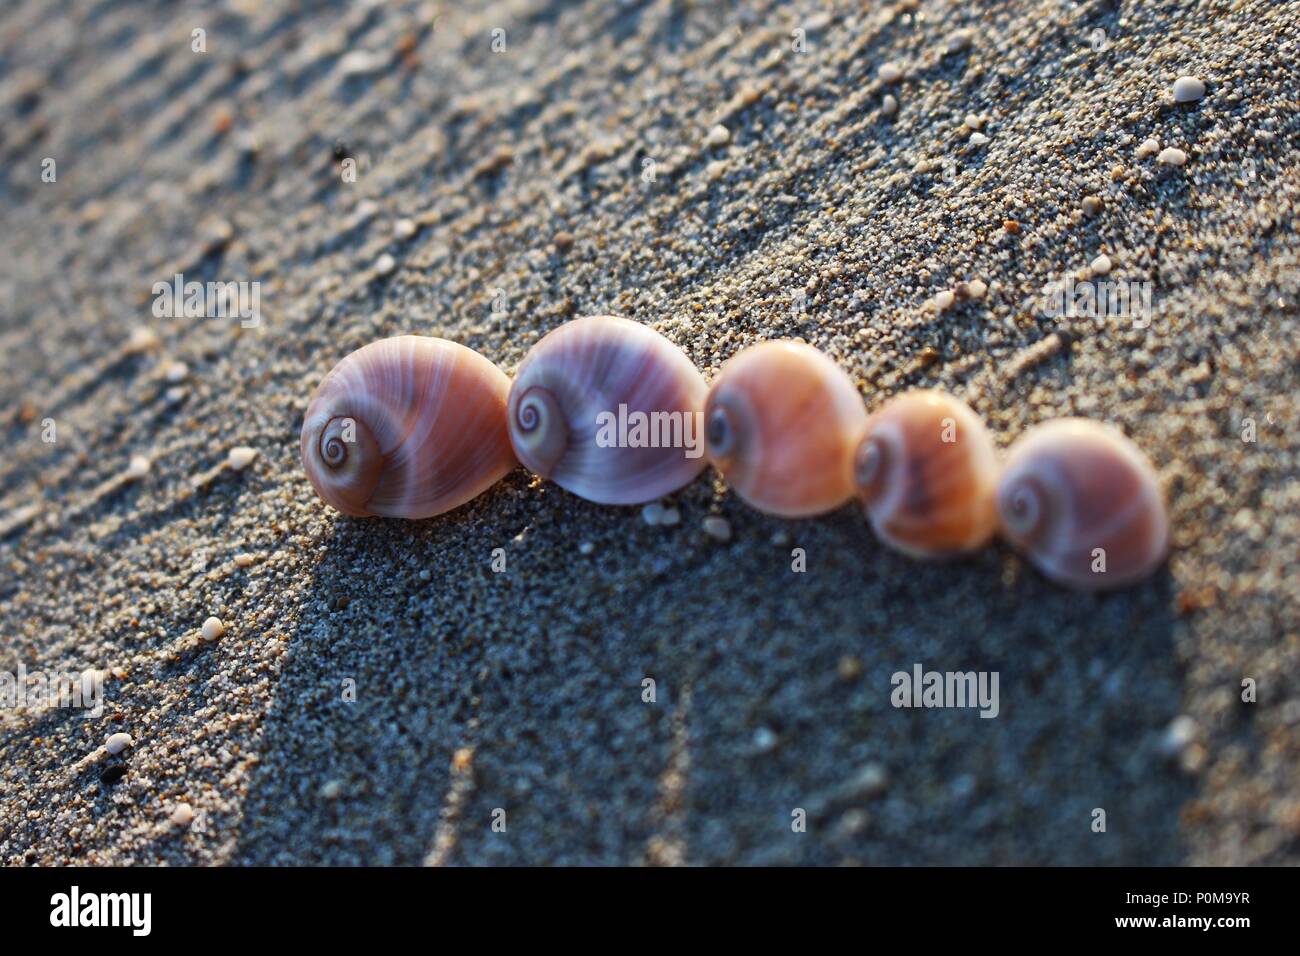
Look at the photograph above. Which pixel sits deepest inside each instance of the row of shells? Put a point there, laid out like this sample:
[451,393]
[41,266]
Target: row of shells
[610,410]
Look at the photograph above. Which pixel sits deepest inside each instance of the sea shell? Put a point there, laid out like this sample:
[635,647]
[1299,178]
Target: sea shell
[782,421]
[1084,504]
[610,410]
[407,427]
[927,470]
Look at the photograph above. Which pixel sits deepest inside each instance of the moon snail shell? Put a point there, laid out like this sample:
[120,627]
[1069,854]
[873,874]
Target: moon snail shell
[610,410]
[1084,504]
[927,470]
[407,427]
[782,421]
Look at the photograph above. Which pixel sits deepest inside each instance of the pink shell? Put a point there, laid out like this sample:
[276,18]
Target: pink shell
[407,427]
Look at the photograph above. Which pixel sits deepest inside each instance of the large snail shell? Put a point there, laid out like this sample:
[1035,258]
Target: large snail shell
[407,427]
[579,396]
[928,471]
[1077,496]
[782,421]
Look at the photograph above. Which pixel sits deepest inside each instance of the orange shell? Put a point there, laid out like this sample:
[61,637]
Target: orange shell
[781,424]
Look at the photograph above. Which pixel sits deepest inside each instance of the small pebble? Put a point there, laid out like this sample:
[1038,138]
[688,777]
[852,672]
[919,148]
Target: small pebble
[586,548]
[717,527]
[117,742]
[385,265]
[331,790]
[1092,205]
[889,105]
[1101,265]
[653,513]
[1149,147]
[240,457]
[972,121]
[176,394]
[1172,156]
[404,228]
[176,371]
[848,668]
[243,560]
[671,517]
[715,170]
[1188,89]
[1178,735]
[182,815]
[944,300]
[959,40]
[978,139]
[143,339]
[563,241]
[977,288]
[212,629]
[764,740]
[890,72]
[718,136]
[138,467]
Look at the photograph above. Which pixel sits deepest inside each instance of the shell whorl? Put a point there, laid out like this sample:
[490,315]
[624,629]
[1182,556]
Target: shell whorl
[926,469]
[578,397]
[1084,504]
[783,421]
[407,427]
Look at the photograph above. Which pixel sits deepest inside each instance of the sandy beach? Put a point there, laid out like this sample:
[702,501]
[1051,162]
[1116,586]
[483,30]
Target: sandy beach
[725,174]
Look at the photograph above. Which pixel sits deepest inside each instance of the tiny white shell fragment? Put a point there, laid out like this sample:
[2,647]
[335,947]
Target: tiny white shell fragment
[1188,89]
[212,629]
[117,742]
[240,457]
[1172,156]
[182,815]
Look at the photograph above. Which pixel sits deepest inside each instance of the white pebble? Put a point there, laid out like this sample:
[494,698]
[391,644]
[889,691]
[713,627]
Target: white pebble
[117,742]
[718,136]
[1188,89]
[944,300]
[1149,148]
[331,790]
[1101,265]
[1178,735]
[1172,156]
[671,517]
[715,170]
[653,513]
[182,815]
[243,560]
[959,40]
[143,339]
[586,548]
[240,457]
[890,72]
[978,139]
[889,105]
[176,371]
[404,229]
[138,467]
[977,288]
[212,629]
[973,121]
[385,265]
[717,527]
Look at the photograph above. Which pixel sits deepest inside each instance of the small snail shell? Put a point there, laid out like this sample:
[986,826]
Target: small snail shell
[927,470]
[608,409]
[782,421]
[1077,496]
[407,427]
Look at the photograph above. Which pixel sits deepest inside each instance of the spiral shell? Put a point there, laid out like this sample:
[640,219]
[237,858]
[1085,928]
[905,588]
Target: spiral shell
[608,409]
[927,471]
[782,421]
[407,427]
[1084,504]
